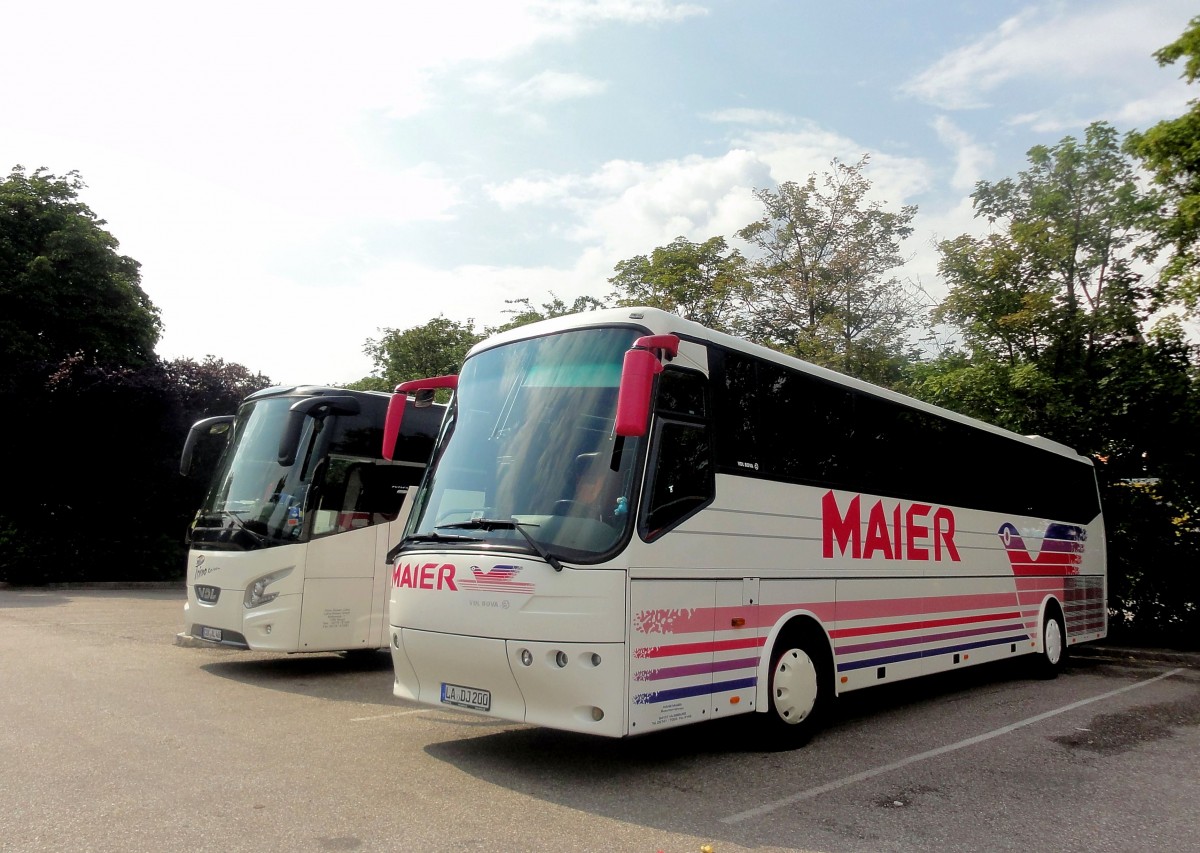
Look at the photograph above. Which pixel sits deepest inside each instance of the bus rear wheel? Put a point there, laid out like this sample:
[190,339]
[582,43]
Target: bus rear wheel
[1053,657]
[799,692]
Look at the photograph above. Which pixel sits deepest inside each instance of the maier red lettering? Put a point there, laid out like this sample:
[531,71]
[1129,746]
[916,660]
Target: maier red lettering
[898,532]
[834,526]
[916,531]
[943,534]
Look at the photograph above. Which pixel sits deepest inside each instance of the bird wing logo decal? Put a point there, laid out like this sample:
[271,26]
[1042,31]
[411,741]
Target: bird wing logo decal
[499,578]
[1060,552]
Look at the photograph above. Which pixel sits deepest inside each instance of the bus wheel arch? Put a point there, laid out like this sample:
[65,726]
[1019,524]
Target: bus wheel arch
[800,683]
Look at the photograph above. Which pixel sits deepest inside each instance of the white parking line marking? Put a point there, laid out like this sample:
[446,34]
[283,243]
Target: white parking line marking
[767,808]
[389,716]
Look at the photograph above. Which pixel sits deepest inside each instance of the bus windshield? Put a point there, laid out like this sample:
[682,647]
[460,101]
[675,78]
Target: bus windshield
[529,446]
[252,495]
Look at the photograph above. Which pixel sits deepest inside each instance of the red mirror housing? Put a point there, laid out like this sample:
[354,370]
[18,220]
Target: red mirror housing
[396,406]
[642,363]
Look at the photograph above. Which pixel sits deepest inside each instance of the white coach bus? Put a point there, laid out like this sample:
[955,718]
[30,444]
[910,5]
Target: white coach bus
[631,522]
[287,550]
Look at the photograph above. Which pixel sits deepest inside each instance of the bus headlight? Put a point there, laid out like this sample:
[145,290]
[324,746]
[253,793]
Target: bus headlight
[256,592]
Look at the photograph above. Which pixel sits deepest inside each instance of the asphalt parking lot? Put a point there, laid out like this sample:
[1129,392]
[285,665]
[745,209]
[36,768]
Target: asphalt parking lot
[114,737]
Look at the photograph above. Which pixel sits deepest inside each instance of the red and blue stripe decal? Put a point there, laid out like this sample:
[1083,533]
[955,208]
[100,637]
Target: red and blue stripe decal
[953,624]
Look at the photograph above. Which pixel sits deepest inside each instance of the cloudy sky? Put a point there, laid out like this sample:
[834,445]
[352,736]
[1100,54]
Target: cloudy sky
[295,177]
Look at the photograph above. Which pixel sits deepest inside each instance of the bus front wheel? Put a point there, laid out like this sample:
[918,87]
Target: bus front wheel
[799,692]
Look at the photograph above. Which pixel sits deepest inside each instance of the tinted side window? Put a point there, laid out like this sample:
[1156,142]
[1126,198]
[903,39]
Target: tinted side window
[682,481]
[682,392]
[805,427]
[784,424]
[735,410]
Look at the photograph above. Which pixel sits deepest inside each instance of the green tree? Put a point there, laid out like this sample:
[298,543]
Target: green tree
[108,503]
[705,282]
[523,312]
[436,348]
[212,386]
[64,288]
[823,283]
[1047,304]
[1170,150]
[1057,340]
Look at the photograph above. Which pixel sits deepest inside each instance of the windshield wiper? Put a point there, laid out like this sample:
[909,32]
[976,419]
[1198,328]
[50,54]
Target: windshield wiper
[426,537]
[511,524]
[236,515]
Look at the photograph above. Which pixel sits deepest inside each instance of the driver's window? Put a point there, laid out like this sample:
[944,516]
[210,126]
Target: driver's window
[682,480]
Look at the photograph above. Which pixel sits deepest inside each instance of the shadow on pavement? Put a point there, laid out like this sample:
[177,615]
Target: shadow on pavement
[361,677]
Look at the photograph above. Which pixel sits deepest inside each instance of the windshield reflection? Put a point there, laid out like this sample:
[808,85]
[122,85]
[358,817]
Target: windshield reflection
[530,439]
[252,494]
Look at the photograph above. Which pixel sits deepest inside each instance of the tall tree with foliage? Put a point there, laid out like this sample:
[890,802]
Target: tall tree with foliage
[108,503]
[705,282]
[1047,300]
[1057,341]
[523,311]
[64,288]
[77,335]
[435,348]
[1171,151]
[824,283]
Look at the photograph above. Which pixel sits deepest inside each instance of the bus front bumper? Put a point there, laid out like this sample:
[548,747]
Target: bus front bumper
[572,686]
[273,627]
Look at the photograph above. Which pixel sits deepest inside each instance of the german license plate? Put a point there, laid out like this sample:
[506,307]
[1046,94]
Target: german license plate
[466,697]
[213,634]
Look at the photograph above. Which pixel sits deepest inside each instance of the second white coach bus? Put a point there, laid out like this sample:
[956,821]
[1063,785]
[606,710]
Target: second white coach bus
[631,522]
[288,549]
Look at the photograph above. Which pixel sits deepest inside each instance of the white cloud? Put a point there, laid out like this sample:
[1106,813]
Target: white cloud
[971,159]
[793,156]
[1168,102]
[550,87]
[531,191]
[235,150]
[750,117]
[626,208]
[1052,41]
[693,197]
[579,12]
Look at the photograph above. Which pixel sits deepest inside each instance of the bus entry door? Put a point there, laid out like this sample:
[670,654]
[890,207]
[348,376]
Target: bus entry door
[693,651]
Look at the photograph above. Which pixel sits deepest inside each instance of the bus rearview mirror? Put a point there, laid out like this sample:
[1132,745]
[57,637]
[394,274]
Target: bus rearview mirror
[208,426]
[423,391]
[642,363]
[319,406]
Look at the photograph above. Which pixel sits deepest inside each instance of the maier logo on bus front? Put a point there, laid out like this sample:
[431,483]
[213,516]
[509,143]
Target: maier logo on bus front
[912,531]
[424,576]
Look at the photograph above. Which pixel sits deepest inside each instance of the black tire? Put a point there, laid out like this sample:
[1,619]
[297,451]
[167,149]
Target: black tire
[799,690]
[1052,659]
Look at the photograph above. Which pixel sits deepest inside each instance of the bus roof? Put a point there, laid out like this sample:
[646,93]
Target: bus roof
[312,391]
[656,321]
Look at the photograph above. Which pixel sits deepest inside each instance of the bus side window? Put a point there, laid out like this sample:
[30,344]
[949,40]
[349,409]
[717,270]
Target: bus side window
[341,490]
[389,483]
[682,480]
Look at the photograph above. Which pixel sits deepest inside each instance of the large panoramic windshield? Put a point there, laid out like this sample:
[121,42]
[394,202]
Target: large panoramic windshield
[254,501]
[530,440]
